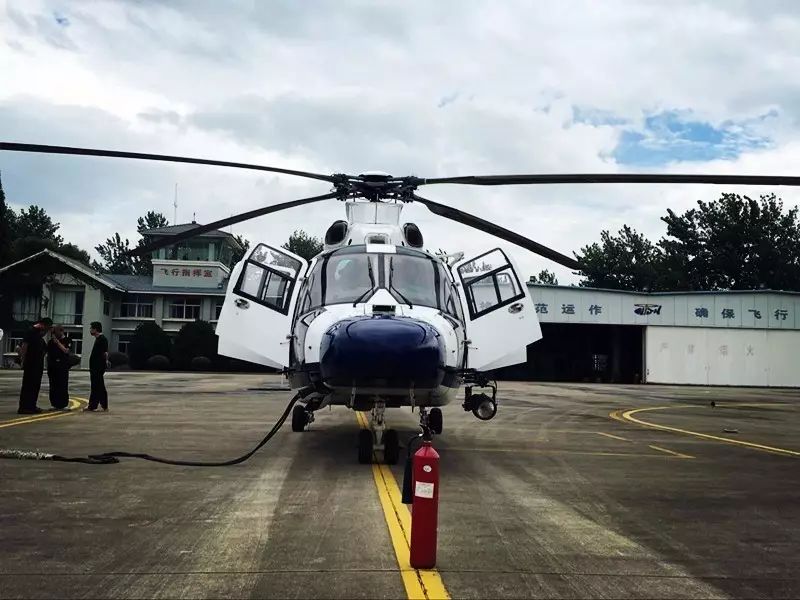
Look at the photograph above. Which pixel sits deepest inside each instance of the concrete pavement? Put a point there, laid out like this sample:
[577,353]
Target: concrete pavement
[561,495]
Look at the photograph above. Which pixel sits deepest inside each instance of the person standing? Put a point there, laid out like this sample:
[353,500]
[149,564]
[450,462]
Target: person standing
[97,368]
[31,356]
[58,368]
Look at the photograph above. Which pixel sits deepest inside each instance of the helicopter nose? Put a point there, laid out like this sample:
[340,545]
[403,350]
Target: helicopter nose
[382,351]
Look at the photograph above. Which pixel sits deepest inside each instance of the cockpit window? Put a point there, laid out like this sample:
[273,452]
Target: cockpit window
[349,277]
[411,279]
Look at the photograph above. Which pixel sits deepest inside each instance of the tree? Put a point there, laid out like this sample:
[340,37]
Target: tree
[193,340]
[627,261]
[239,254]
[144,264]
[733,243]
[5,227]
[35,223]
[148,340]
[114,257]
[303,245]
[31,231]
[28,246]
[152,220]
[545,277]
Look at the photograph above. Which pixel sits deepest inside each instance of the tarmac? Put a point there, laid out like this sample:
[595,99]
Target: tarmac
[571,491]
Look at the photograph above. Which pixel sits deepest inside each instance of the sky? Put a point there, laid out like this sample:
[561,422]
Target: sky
[432,89]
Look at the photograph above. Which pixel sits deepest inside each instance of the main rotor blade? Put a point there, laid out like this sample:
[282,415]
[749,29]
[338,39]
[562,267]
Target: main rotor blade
[252,214]
[616,178]
[483,225]
[17,147]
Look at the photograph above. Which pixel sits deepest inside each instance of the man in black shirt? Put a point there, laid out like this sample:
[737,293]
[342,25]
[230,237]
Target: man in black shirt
[97,367]
[32,360]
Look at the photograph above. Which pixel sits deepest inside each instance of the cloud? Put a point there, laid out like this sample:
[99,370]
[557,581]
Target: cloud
[431,89]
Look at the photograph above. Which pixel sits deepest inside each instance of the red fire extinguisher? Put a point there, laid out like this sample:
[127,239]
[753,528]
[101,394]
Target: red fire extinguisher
[424,506]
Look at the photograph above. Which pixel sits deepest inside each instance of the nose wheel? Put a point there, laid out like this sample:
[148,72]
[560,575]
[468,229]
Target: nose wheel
[301,417]
[377,437]
[435,421]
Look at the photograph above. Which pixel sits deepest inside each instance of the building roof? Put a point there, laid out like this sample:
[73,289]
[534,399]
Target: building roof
[143,284]
[578,288]
[74,267]
[184,227]
[119,283]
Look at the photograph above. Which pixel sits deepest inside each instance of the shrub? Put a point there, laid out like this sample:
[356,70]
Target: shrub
[148,340]
[201,363]
[158,362]
[117,359]
[195,339]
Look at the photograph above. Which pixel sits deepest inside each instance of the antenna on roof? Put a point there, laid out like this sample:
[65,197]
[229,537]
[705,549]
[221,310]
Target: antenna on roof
[175,205]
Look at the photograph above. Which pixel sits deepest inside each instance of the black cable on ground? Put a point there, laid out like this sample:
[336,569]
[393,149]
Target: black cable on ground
[108,458]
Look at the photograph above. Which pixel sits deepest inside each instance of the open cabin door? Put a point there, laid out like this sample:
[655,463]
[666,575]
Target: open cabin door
[256,317]
[501,320]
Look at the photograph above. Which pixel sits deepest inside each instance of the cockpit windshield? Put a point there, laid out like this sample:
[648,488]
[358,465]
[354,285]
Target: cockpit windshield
[351,275]
[412,279]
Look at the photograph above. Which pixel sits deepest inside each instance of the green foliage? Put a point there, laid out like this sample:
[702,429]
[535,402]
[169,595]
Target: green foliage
[545,277]
[733,243]
[117,359]
[194,339]
[144,265]
[627,261]
[157,362]
[29,232]
[114,257]
[113,251]
[5,227]
[36,223]
[303,244]
[239,254]
[151,220]
[201,363]
[148,340]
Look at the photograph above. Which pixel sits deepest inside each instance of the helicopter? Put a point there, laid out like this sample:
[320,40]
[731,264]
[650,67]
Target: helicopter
[374,321]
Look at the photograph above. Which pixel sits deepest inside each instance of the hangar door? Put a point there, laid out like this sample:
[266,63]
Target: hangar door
[712,356]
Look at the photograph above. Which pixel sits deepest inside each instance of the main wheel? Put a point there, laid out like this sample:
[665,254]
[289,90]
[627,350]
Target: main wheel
[299,418]
[391,447]
[435,421]
[365,446]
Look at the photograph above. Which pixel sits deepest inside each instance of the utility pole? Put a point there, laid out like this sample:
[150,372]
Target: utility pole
[175,205]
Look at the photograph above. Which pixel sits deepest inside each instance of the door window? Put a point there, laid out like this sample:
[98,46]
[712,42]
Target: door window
[489,283]
[268,278]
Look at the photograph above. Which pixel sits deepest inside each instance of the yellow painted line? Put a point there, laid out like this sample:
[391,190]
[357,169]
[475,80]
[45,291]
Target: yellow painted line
[612,436]
[628,416]
[420,584]
[672,452]
[557,452]
[74,404]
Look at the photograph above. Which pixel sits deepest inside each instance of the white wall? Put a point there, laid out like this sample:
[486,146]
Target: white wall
[711,356]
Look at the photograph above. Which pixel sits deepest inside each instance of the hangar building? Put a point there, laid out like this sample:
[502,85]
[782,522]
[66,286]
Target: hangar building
[706,338]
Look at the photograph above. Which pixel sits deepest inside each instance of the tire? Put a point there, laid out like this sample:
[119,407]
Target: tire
[435,420]
[391,447]
[299,418]
[365,447]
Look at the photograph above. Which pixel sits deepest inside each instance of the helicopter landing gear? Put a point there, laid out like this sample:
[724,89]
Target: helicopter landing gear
[301,417]
[377,437]
[435,421]
[431,421]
